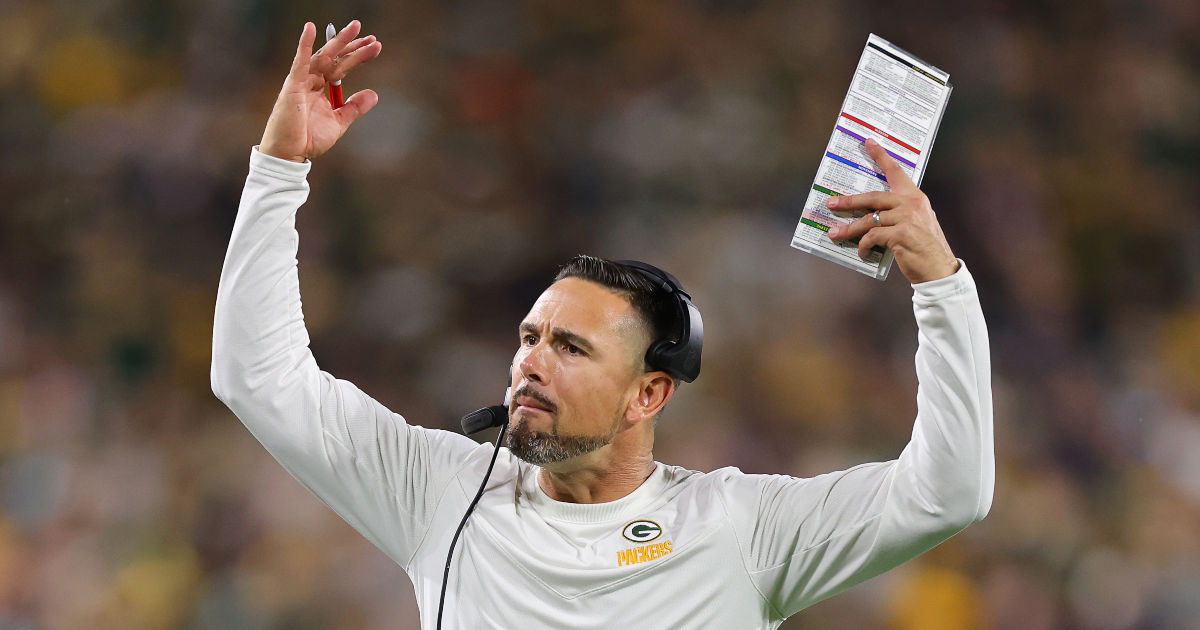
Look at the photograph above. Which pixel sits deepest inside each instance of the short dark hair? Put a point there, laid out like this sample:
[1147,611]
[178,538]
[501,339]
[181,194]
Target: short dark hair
[656,307]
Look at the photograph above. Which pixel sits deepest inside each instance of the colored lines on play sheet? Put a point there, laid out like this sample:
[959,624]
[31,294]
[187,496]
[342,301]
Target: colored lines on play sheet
[906,62]
[809,222]
[855,165]
[862,139]
[883,133]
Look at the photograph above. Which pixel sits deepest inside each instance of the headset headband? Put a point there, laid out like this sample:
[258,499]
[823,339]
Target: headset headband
[680,359]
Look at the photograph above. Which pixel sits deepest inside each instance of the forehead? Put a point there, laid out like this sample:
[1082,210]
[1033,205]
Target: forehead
[584,307]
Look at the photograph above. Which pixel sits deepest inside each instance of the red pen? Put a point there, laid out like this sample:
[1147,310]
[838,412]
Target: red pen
[335,88]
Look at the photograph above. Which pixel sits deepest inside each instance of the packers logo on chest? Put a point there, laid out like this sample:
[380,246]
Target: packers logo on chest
[642,531]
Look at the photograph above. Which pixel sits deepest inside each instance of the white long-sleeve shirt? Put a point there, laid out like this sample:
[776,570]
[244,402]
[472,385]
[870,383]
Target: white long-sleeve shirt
[721,550]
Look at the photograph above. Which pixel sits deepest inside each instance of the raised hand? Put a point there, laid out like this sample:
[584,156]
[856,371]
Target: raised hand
[303,124]
[907,223]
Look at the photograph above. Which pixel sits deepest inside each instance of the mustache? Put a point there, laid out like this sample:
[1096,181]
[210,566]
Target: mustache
[526,390]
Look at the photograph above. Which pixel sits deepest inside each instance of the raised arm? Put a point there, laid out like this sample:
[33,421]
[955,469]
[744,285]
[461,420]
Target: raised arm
[806,539]
[379,473]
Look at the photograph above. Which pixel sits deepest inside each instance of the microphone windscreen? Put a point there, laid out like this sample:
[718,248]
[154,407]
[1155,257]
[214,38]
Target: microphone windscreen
[485,418]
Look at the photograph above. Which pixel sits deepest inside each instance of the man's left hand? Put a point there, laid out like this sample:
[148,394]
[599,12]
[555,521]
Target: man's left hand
[906,223]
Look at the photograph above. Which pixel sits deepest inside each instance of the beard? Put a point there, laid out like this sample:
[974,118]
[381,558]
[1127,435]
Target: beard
[547,448]
[540,448]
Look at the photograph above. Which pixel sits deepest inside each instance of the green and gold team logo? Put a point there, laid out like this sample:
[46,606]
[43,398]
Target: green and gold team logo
[641,531]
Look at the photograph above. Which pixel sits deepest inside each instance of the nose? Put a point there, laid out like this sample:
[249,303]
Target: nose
[532,364]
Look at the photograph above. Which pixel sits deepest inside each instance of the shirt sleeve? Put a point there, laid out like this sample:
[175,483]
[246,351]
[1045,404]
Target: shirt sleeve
[382,475]
[803,540]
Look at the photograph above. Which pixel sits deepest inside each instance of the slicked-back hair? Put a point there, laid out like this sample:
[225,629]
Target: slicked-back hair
[656,307]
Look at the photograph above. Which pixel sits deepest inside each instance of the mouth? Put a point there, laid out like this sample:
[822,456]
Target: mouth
[532,408]
[529,404]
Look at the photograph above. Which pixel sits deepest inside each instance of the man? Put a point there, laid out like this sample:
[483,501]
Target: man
[578,526]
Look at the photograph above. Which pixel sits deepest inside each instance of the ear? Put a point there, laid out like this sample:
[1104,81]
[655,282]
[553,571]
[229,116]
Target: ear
[654,390]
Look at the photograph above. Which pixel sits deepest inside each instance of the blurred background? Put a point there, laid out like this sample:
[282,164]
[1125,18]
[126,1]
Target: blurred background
[511,136]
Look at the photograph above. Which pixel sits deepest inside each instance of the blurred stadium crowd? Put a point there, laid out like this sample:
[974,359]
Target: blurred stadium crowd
[513,135]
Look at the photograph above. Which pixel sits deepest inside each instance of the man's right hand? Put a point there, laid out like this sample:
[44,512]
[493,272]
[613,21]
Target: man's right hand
[303,124]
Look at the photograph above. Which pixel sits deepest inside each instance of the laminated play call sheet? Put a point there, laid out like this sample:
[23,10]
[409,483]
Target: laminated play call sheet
[898,100]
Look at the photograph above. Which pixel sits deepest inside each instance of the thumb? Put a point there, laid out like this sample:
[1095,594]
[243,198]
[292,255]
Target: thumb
[897,179]
[358,104]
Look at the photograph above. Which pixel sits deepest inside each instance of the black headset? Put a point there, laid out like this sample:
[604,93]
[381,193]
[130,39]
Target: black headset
[680,359]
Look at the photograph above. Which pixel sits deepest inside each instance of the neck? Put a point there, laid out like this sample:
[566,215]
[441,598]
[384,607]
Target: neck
[604,475]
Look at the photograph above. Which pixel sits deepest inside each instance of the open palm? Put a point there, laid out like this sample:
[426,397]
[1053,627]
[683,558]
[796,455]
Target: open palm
[303,124]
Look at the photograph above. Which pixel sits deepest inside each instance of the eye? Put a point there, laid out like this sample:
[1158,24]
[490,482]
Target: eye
[573,349]
[529,339]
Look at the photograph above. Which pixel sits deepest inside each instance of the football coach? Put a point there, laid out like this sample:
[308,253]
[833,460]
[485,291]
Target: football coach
[578,525]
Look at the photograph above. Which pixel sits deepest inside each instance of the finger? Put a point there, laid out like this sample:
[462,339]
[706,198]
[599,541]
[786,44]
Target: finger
[339,41]
[876,200]
[304,49]
[356,44]
[896,177]
[349,62]
[860,226]
[358,104]
[880,236]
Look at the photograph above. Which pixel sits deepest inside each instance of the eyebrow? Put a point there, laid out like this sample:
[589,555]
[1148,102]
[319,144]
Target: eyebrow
[562,333]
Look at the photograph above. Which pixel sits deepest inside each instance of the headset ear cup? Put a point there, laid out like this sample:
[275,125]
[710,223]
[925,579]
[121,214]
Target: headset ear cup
[656,355]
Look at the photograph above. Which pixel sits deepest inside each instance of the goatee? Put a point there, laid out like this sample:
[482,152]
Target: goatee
[547,448]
